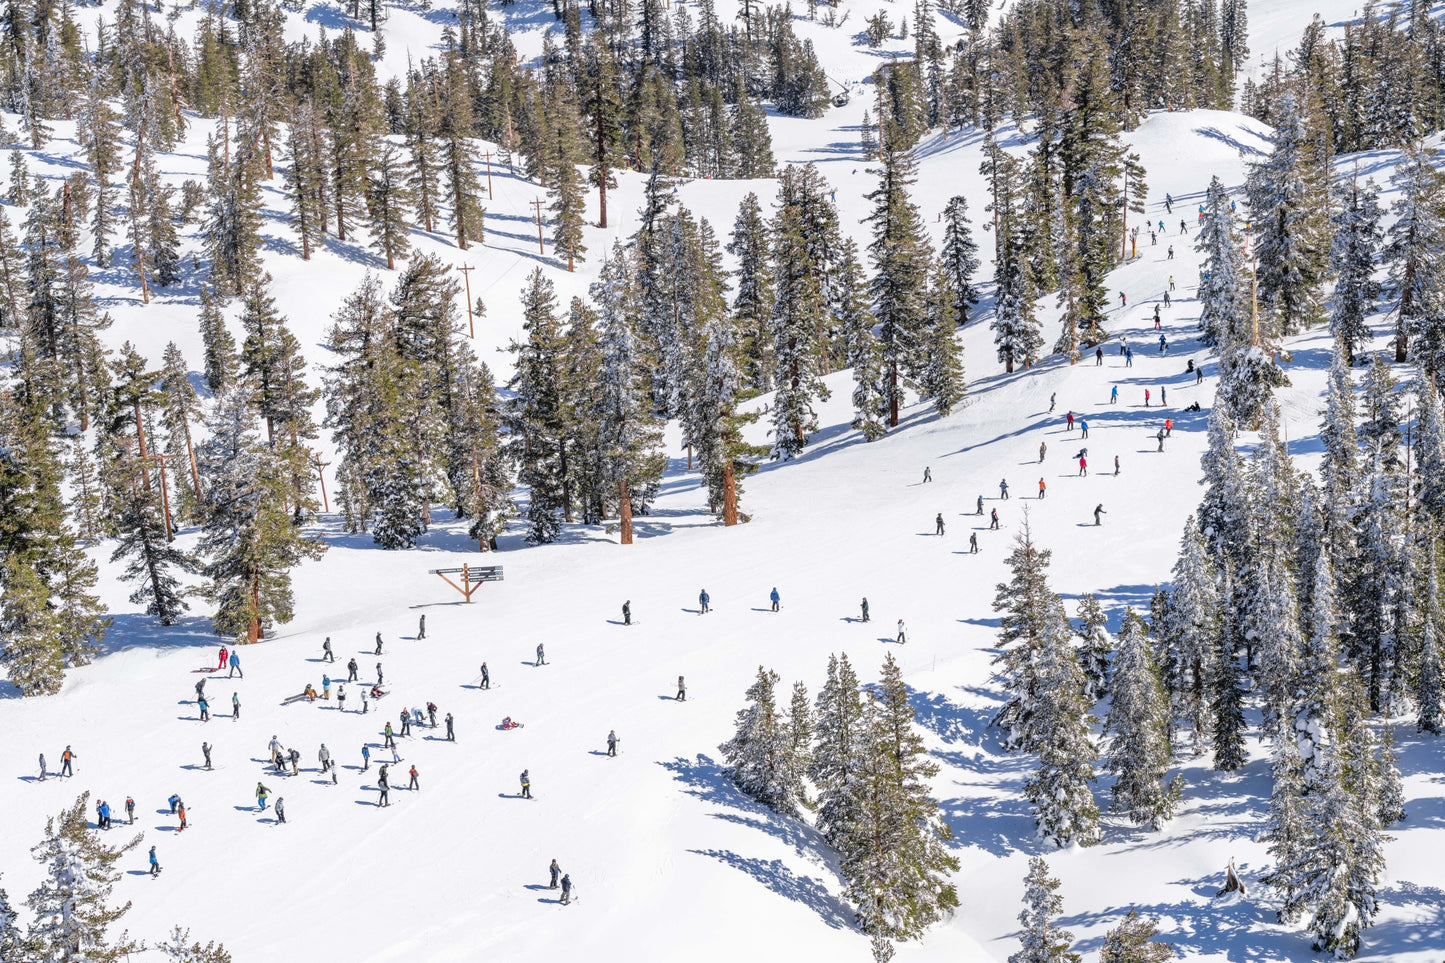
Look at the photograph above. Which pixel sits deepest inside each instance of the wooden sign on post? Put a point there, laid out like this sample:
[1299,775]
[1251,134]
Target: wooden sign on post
[470,577]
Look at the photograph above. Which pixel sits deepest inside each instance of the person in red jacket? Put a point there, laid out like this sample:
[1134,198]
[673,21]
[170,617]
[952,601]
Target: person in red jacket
[221,664]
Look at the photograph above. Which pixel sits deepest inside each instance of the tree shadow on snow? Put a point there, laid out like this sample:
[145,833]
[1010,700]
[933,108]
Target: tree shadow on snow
[777,877]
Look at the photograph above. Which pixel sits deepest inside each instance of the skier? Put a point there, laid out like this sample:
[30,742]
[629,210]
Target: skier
[1160,436]
[200,690]
[451,736]
[364,704]
[526,785]
[1171,253]
[1041,489]
[1084,427]
[414,784]
[365,758]
[541,655]
[1168,427]
[979,509]
[130,810]
[1099,510]
[275,748]
[1157,321]
[1053,399]
[326,653]
[702,600]
[566,890]
[66,758]
[378,644]
[993,520]
[775,598]
[1098,357]
[682,688]
[1043,448]
[1128,357]
[1171,283]
[927,475]
[206,751]
[973,542]
[379,677]
[405,722]
[1163,396]
[1069,420]
[612,742]
[1083,466]
[42,767]
[325,686]
[902,633]
[1114,395]
[104,812]
[324,757]
[385,787]
[205,708]
[180,811]
[627,612]
[1146,397]
[486,677]
[261,793]
[351,668]
[1163,345]
[938,524]
[431,713]
[421,628]
[390,741]
[341,698]
[1157,326]
[295,756]
[235,662]
[1168,204]
[1183,228]
[155,863]
[1003,489]
[280,810]
[1116,465]
[1123,300]
[556,871]
[221,664]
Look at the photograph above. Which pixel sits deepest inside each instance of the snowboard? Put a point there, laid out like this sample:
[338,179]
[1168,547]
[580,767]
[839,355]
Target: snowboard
[516,725]
[209,669]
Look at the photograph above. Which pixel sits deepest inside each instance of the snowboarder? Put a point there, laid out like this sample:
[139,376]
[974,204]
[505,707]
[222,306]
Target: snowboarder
[205,708]
[351,668]
[341,698]
[1041,489]
[295,756]
[326,654]
[224,654]
[1083,467]
[526,780]
[378,644]
[421,628]
[702,600]
[1199,375]
[365,758]
[973,542]
[1157,325]
[1183,228]
[627,612]
[130,810]
[1163,345]
[556,871]
[937,525]
[1123,300]
[1156,313]
[1043,449]
[682,688]
[1003,489]
[902,633]
[1128,357]
[326,687]
[993,520]
[541,655]
[451,736]
[927,475]
[103,811]
[155,863]
[66,758]
[775,598]
[612,742]
[486,677]
[42,767]
[414,784]
[206,751]
[261,793]
[566,890]
[1099,510]
[324,757]
[235,662]
[280,808]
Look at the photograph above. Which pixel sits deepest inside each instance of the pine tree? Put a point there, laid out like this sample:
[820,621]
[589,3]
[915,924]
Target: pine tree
[835,767]
[753,305]
[72,904]
[1028,607]
[862,352]
[1220,277]
[175,948]
[1194,630]
[181,407]
[536,415]
[1132,941]
[1430,452]
[1015,327]
[960,255]
[1138,722]
[940,378]
[1226,696]
[565,185]
[151,556]
[1095,647]
[893,859]
[11,941]
[1353,255]
[388,203]
[760,759]
[1432,623]
[1041,939]
[1416,280]
[222,366]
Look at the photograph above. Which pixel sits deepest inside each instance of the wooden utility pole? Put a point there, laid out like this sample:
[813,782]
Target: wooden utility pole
[488,155]
[325,502]
[466,270]
[537,205]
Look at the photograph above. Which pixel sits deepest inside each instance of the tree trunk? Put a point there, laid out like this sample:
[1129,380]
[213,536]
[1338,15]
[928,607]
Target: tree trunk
[624,509]
[730,495]
[893,395]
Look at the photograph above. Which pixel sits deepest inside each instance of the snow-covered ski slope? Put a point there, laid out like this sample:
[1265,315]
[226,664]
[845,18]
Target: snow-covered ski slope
[669,861]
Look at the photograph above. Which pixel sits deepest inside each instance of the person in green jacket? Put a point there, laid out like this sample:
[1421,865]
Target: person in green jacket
[261,793]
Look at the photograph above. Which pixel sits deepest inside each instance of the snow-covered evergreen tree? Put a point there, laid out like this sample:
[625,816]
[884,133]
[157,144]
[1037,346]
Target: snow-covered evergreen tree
[753,280]
[1194,631]
[1428,674]
[759,756]
[1340,465]
[940,379]
[1314,686]
[1417,277]
[1041,938]
[1226,695]
[1095,646]
[1221,275]
[1132,941]
[1429,482]
[1353,259]
[1138,727]
[536,413]
[1064,807]
[152,559]
[836,766]
[180,948]
[1027,604]
[959,256]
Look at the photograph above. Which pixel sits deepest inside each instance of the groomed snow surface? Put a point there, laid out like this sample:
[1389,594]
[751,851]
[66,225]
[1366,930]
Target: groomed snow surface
[670,862]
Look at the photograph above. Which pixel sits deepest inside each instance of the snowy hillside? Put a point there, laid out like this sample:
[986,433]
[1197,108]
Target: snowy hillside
[670,861]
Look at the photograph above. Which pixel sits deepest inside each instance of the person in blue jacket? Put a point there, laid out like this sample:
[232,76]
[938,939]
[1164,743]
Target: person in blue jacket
[775,598]
[236,666]
[702,600]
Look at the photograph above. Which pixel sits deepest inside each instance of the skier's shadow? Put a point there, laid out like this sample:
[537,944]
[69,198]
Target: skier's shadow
[692,611]
[137,872]
[667,698]
[615,622]
[597,752]
[759,610]
[510,795]
[884,638]
[29,778]
[554,902]
[531,663]
[165,829]
[536,886]
[244,809]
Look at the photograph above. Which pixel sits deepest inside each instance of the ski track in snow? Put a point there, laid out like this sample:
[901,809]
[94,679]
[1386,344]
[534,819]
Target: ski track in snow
[672,860]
